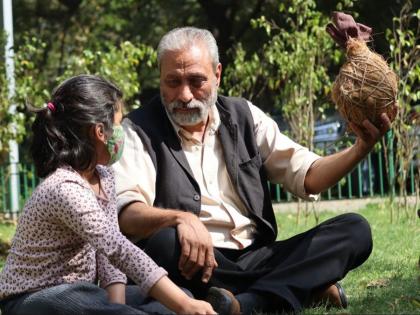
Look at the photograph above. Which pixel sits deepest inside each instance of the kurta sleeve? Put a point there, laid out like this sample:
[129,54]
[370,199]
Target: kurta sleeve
[286,162]
[135,172]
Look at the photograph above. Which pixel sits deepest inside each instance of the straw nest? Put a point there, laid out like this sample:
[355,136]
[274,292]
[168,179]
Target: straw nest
[365,86]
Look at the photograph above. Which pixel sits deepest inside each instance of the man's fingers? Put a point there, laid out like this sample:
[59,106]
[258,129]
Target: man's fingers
[210,264]
[185,254]
[201,257]
[357,130]
[371,129]
[207,272]
[196,243]
[386,123]
[204,261]
[191,262]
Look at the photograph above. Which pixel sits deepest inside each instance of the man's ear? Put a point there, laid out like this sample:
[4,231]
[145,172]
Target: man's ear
[218,74]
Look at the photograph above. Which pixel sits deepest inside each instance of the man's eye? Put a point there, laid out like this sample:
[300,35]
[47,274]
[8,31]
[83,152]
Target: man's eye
[172,82]
[197,82]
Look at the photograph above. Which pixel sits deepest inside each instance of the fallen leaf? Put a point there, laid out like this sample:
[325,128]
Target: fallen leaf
[378,283]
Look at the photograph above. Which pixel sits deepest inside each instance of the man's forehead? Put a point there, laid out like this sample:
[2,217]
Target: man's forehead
[193,57]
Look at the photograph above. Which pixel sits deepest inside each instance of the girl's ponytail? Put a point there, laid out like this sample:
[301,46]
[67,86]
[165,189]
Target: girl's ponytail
[61,130]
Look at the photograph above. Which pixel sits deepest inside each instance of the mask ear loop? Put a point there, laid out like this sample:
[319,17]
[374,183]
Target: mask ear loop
[105,133]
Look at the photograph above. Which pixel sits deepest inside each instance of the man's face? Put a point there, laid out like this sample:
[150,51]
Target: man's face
[188,85]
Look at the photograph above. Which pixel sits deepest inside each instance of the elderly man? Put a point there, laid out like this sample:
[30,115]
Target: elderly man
[192,191]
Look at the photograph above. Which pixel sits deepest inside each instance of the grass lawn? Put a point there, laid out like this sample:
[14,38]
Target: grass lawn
[388,283]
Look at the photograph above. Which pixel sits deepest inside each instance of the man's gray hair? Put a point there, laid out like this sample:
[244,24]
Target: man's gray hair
[185,37]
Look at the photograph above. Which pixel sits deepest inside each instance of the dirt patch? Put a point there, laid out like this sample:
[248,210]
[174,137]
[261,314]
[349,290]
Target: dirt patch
[345,205]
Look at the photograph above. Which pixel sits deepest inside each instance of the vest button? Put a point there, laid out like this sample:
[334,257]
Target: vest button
[196,197]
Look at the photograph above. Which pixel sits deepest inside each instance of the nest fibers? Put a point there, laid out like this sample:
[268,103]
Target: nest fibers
[365,87]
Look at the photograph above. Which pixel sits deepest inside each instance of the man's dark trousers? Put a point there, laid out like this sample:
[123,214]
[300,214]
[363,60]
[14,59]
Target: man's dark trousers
[287,271]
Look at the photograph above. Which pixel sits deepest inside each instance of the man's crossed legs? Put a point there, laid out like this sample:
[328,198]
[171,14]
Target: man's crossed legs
[285,275]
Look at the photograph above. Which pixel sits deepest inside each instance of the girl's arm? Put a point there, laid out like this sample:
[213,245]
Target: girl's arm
[79,210]
[116,293]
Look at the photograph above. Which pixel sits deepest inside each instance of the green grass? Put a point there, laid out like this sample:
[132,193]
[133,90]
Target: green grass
[388,283]
[6,233]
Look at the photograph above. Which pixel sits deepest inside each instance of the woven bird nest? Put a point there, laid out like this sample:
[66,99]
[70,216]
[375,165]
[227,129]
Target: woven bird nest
[365,87]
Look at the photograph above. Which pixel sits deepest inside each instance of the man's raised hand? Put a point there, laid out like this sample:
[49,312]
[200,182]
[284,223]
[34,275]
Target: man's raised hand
[369,134]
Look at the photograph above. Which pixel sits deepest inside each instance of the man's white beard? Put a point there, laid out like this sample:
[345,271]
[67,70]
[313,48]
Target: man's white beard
[193,117]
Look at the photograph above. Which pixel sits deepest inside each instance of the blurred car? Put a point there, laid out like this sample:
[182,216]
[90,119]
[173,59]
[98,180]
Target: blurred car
[328,134]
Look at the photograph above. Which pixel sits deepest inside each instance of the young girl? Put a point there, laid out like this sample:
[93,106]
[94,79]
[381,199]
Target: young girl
[68,238]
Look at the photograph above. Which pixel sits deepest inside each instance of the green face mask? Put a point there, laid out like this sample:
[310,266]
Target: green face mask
[115,144]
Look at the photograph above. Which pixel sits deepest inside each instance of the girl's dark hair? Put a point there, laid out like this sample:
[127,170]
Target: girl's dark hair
[61,130]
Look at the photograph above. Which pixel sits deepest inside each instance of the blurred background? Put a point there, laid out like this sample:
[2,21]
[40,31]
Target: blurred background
[274,53]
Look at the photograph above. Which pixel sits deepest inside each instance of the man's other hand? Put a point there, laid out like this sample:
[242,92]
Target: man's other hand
[196,248]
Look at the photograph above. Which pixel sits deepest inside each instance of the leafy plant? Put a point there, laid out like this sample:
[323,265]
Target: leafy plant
[119,64]
[405,55]
[31,85]
[293,64]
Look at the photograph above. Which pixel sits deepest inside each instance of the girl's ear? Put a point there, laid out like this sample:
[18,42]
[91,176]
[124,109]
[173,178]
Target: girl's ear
[98,132]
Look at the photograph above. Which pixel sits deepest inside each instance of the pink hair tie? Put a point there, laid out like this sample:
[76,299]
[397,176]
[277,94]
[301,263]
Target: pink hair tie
[51,106]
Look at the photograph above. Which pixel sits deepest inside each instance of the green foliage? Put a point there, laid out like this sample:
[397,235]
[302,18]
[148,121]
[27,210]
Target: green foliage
[293,64]
[119,64]
[245,77]
[283,58]
[403,40]
[31,86]
[4,101]
[32,83]
[405,53]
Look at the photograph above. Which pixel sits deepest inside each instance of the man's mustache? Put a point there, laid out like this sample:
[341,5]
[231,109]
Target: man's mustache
[189,105]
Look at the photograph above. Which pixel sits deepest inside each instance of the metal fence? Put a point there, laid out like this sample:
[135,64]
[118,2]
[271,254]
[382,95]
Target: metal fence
[27,183]
[368,179]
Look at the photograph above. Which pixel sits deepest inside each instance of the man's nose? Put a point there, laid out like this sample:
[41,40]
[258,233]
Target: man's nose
[185,95]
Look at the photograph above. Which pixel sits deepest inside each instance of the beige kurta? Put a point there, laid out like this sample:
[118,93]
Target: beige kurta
[222,211]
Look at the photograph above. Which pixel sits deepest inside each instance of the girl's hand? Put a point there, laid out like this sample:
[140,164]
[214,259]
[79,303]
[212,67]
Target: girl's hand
[170,295]
[196,307]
